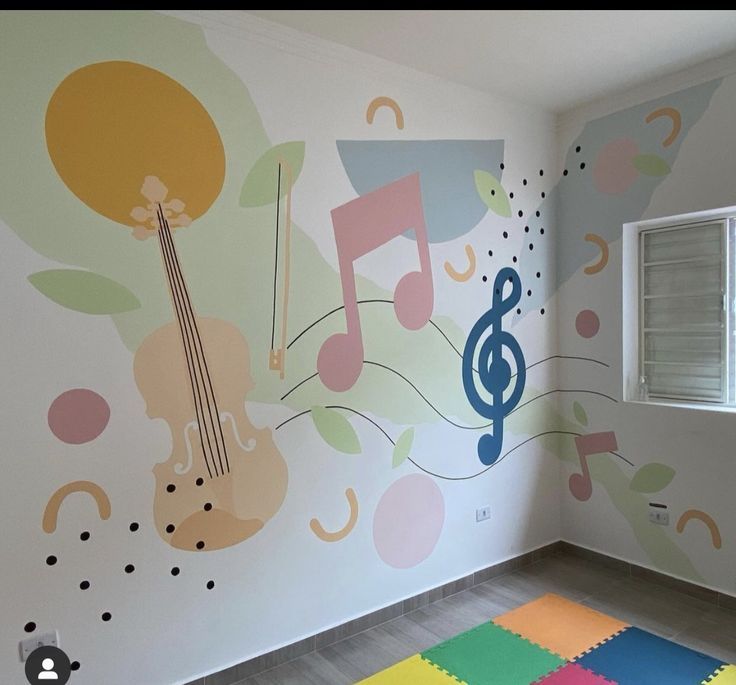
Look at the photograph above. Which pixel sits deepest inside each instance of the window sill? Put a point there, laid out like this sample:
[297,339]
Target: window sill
[702,406]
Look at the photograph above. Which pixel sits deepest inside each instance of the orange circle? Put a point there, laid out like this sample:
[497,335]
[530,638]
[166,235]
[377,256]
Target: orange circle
[111,124]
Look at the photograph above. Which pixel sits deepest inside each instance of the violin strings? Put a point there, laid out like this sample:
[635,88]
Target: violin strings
[175,296]
[276,259]
[199,348]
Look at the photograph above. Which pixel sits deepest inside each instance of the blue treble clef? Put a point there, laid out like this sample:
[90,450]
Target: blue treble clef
[494,372]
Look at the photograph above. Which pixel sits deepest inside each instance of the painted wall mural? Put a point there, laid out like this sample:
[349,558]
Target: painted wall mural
[278,349]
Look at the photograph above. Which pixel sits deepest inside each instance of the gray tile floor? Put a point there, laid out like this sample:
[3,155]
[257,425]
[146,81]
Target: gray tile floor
[671,614]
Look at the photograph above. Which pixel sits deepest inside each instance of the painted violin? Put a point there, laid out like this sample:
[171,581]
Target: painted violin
[224,478]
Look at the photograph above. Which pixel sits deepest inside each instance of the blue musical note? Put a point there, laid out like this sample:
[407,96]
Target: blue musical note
[494,372]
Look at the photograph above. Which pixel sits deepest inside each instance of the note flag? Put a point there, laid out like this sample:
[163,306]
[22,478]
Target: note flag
[361,226]
[580,484]
[494,372]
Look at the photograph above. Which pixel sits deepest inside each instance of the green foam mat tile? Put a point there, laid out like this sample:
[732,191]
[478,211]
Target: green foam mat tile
[491,655]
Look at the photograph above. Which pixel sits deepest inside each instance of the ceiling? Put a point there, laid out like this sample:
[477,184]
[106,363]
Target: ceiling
[555,59]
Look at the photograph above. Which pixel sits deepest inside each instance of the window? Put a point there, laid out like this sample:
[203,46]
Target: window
[685,311]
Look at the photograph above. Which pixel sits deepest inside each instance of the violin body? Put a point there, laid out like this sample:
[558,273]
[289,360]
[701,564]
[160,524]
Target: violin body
[199,507]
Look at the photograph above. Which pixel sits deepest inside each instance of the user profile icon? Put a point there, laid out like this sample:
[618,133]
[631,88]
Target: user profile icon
[48,665]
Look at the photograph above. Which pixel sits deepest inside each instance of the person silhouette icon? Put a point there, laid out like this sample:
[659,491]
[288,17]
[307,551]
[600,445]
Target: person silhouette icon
[48,673]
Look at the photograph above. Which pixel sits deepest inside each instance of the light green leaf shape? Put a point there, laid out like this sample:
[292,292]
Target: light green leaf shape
[580,415]
[492,193]
[84,291]
[652,478]
[336,430]
[403,447]
[651,165]
[262,183]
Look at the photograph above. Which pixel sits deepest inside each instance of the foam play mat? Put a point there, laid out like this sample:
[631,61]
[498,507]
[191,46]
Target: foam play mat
[553,641]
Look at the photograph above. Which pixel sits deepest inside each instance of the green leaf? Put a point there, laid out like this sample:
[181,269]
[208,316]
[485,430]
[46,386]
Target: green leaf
[651,165]
[652,478]
[580,415]
[402,447]
[336,430]
[492,193]
[84,291]
[262,183]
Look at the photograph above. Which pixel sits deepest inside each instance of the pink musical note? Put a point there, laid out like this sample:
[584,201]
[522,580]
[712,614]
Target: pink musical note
[362,225]
[581,486]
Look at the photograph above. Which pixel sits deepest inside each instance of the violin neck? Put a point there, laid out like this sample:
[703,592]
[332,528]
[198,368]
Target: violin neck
[212,440]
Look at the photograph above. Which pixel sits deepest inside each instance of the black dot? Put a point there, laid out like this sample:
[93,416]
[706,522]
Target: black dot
[199,482]
[51,560]
[578,148]
[493,192]
[582,165]
[134,527]
[485,278]
[531,246]
[518,311]
[29,627]
[170,528]
[511,194]
[210,584]
[511,279]
[538,213]
[538,274]
[529,293]
[129,568]
[170,487]
[524,181]
[521,213]
[505,234]
[502,166]
[514,259]
[498,291]
[106,616]
[490,253]
[543,195]
[84,536]
[541,311]
[541,172]
[200,544]
[541,231]
[526,229]
[84,585]
[175,571]
[208,506]
[75,665]
[564,173]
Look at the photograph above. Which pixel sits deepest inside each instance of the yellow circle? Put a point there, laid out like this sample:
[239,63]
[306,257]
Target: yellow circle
[111,124]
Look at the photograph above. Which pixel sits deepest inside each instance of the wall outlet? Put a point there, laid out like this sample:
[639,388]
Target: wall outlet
[659,516]
[33,643]
[483,513]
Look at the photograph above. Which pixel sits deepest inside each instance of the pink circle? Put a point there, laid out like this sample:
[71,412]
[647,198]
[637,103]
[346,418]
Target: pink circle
[78,416]
[587,323]
[408,521]
[614,170]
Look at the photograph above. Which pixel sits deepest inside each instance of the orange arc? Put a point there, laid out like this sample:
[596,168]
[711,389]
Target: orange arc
[383,101]
[462,276]
[707,519]
[327,536]
[676,118]
[603,260]
[51,513]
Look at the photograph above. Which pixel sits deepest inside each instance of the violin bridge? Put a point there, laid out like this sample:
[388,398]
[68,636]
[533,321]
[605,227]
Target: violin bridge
[276,361]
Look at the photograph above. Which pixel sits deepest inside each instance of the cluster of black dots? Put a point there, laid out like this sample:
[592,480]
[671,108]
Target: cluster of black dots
[578,149]
[527,229]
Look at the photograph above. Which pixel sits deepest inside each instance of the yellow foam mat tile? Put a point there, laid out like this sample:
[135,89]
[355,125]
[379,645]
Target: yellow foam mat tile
[412,671]
[726,676]
[561,626]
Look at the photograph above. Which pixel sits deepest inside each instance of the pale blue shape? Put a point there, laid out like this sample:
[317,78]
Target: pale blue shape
[575,206]
[452,206]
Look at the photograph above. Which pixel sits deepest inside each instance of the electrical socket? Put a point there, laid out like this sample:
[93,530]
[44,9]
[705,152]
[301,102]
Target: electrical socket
[33,643]
[483,513]
[659,516]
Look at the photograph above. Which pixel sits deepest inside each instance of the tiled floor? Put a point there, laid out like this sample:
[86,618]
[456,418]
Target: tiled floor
[669,613]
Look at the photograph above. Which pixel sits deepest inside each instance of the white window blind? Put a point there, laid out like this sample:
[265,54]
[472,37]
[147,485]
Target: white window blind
[683,327]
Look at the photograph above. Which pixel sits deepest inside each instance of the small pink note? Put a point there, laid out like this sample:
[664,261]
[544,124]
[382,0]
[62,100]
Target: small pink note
[361,226]
[581,486]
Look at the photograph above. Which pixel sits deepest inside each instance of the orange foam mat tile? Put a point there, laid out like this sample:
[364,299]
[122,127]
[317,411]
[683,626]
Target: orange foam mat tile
[561,626]
[412,671]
